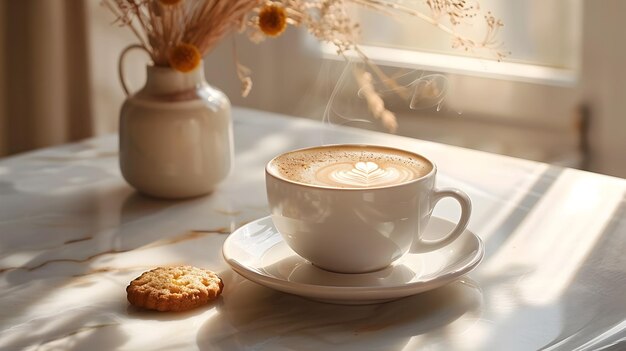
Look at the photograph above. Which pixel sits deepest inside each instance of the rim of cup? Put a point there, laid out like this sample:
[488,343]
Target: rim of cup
[433,169]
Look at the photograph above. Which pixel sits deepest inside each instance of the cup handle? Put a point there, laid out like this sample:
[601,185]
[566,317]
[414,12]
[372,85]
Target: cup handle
[120,65]
[466,211]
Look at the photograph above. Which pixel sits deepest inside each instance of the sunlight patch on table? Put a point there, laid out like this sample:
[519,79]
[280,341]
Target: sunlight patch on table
[579,205]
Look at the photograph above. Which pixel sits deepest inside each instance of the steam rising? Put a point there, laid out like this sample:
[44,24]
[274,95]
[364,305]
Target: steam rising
[414,89]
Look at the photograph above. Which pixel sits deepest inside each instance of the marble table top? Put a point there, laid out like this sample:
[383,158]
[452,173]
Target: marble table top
[73,234]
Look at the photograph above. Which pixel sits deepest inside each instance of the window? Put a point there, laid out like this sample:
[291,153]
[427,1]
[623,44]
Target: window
[543,38]
[484,97]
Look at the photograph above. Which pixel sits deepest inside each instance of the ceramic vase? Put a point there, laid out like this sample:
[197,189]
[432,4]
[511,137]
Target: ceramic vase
[175,135]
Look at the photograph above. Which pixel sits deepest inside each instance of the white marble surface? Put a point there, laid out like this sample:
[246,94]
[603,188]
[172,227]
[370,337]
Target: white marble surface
[73,234]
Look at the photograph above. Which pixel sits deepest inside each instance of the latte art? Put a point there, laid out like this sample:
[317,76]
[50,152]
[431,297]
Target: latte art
[363,174]
[350,166]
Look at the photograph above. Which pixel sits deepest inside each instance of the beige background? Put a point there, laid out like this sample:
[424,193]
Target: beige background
[60,83]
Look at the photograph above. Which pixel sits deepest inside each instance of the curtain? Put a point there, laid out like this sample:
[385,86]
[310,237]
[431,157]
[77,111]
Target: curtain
[45,86]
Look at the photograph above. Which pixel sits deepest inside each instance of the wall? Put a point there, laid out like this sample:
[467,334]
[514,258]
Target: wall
[284,71]
[604,84]
[519,119]
[106,42]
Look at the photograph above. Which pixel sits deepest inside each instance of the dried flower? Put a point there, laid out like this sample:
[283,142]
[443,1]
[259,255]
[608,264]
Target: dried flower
[375,102]
[272,20]
[162,25]
[243,73]
[184,57]
[170,2]
[159,25]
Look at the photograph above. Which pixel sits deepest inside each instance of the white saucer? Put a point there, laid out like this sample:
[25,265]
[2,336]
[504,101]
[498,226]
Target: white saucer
[257,252]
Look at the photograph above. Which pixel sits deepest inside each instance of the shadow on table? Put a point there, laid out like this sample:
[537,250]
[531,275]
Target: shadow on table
[81,235]
[150,315]
[81,329]
[254,317]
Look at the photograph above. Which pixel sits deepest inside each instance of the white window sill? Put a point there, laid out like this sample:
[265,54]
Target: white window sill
[463,65]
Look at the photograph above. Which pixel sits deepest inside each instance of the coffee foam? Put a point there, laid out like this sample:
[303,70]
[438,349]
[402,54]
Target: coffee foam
[350,166]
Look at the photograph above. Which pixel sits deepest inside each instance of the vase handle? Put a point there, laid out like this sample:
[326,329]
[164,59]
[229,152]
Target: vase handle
[120,65]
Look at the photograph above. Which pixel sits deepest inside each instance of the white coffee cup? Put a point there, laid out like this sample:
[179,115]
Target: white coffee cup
[357,230]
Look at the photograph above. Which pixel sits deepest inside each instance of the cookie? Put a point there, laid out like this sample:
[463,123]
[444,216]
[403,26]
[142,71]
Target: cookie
[174,288]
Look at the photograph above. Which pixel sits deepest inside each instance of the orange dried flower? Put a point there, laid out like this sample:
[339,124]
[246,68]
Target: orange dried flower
[184,57]
[272,20]
[170,2]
